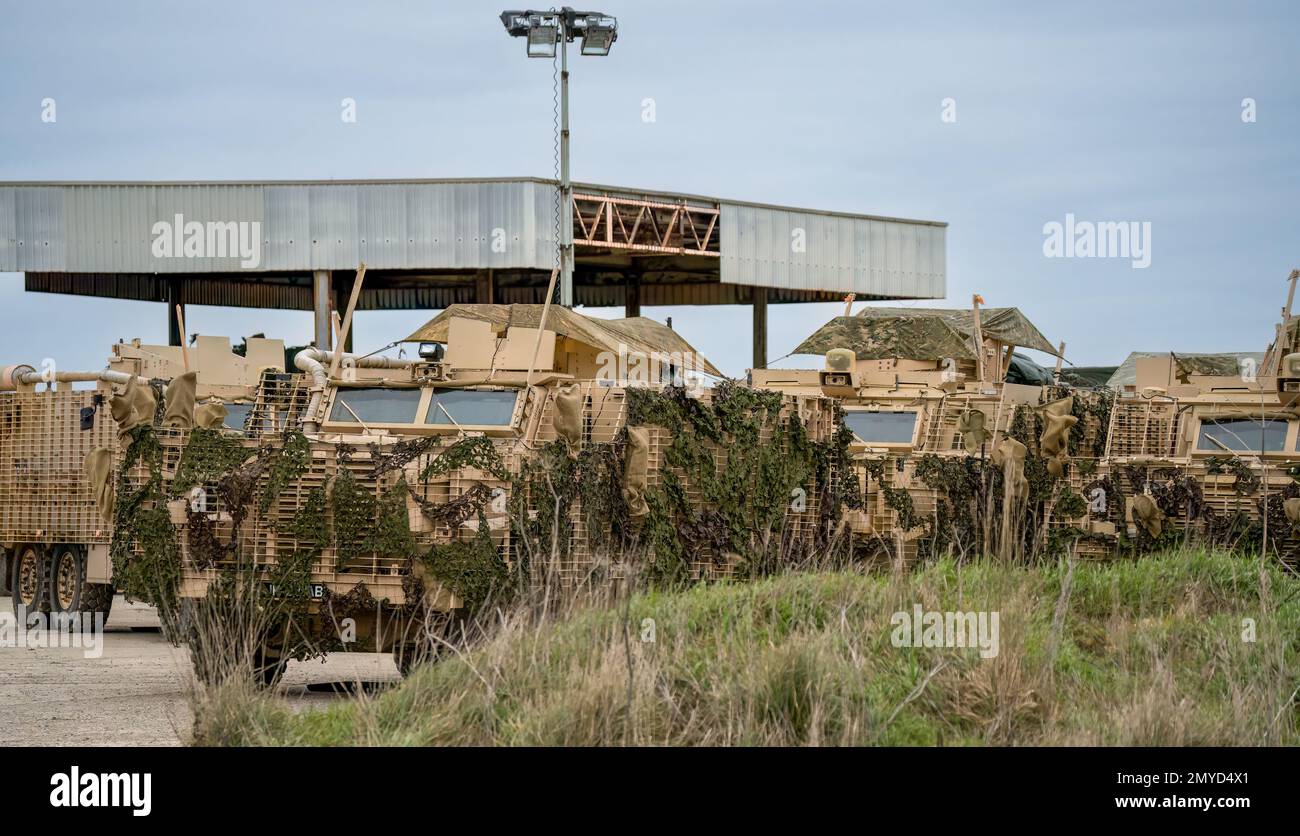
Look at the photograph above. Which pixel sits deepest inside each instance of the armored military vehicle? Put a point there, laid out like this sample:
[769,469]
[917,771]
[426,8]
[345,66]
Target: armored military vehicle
[59,447]
[959,442]
[962,446]
[1204,447]
[519,451]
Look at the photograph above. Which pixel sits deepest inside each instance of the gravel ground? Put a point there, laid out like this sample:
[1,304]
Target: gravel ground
[133,695]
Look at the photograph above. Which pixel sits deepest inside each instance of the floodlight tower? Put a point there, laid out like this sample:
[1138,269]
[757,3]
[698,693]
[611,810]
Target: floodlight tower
[543,31]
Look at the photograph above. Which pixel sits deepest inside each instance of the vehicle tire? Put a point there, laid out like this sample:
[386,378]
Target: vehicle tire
[268,666]
[406,657]
[28,578]
[97,598]
[267,663]
[67,578]
[423,649]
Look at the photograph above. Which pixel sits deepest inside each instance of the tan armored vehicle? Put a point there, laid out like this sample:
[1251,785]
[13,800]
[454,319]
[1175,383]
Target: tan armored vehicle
[1205,447]
[959,443]
[958,450]
[368,496]
[59,447]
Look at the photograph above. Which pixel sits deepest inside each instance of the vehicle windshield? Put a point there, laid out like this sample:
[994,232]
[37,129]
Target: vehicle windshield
[237,415]
[375,406]
[1242,434]
[882,427]
[452,407]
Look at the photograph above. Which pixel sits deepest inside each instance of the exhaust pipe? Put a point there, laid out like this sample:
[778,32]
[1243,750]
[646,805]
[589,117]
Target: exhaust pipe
[11,377]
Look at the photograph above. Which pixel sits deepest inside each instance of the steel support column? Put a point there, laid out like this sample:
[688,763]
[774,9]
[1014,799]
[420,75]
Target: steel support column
[175,298]
[322,304]
[485,287]
[632,295]
[759,296]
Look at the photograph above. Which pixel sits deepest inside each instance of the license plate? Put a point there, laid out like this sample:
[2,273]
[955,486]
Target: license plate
[315,591]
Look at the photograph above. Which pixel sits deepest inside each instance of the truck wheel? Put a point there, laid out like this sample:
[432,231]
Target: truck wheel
[405,657]
[28,581]
[67,579]
[268,666]
[97,598]
[267,663]
[420,649]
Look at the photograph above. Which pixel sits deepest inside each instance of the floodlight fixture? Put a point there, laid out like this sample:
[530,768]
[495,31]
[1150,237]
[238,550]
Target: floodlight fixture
[543,31]
[598,34]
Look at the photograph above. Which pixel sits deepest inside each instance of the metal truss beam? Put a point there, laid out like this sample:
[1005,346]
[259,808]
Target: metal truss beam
[618,223]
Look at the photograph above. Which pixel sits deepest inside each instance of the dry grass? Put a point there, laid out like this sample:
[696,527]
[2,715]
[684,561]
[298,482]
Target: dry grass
[1146,652]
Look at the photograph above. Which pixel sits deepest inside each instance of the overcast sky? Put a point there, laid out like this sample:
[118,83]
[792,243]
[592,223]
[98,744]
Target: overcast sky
[1110,111]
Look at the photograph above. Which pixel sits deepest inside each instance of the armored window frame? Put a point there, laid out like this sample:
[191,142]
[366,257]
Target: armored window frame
[859,441]
[433,407]
[1237,442]
[358,413]
[416,425]
[236,407]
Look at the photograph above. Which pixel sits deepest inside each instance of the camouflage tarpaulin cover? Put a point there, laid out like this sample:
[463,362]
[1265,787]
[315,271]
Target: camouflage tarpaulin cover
[638,333]
[928,333]
[1025,371]
[913,338]
[1088,376]
[1212,364]
[1225,363]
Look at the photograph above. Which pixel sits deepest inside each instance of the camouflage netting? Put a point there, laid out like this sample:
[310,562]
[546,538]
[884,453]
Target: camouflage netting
[730,484]
[923,333]
[736,482]
[735,486]
[1101,508]
[1178,508]
[1016,495]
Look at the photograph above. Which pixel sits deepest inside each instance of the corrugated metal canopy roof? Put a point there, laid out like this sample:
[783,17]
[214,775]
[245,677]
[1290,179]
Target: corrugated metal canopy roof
[102,238]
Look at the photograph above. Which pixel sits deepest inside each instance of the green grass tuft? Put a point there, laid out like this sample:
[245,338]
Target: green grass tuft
[1150,652]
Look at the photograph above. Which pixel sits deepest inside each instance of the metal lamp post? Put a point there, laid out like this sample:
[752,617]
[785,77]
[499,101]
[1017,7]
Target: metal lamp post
[543,31]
